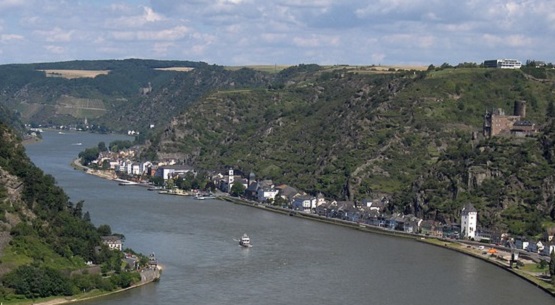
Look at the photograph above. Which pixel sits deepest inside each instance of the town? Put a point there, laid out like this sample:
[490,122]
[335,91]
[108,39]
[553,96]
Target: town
[169,177]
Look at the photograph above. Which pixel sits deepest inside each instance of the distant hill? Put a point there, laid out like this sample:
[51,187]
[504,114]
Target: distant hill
[112,94]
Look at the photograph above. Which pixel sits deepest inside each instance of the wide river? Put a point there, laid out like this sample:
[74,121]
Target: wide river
[292,261]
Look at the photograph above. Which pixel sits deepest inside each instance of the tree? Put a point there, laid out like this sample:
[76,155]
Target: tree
[104,230]
[102,147]
[105,164]
[88,155]
[550,110]
[78,210]
[210,186]
[157,180]
[237,189]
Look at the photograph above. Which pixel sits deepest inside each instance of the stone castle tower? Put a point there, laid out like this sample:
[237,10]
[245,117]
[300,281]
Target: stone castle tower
[496,122]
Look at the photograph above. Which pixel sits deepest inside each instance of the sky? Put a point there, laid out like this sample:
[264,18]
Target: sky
[282,32]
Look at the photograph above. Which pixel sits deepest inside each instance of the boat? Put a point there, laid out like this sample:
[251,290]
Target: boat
[127,183]
[245,241]
[204,196]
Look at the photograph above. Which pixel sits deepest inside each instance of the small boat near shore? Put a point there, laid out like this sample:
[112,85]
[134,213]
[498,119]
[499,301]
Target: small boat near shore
[128,183]
[204,196]
[245,241]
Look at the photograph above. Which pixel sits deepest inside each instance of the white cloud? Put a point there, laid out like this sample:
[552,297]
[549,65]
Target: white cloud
[286,31]
[133,18]
[10,37]
[55,35]
[175,33]
[162,48]
[316,41]
[55,49]
[6,4]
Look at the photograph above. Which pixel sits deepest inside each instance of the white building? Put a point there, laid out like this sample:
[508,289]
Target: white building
[113,242]
[503,63]
[168,171]
[266,193]
[304,203]
[469,219]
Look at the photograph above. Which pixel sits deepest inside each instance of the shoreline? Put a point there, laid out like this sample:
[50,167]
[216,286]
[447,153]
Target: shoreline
[457,246]
[452,245]
[96,294]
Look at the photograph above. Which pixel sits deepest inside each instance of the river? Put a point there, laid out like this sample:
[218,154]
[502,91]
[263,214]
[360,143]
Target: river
[292,261]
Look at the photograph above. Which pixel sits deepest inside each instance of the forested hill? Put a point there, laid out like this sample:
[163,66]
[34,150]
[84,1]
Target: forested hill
[44,237]
[354,134]
[11,119]
[116,95]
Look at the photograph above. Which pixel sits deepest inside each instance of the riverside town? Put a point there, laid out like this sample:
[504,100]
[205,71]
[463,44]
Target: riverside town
[370,214]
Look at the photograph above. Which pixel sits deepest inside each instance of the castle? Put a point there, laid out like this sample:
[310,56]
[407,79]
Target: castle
[496,122]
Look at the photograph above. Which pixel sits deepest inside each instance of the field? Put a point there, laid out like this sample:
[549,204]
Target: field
[379,69]
[262,68]
[357,69]
[80,107]
[70,74]
[178,69]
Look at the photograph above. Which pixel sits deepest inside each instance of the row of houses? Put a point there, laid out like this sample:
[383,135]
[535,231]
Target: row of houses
[370,211]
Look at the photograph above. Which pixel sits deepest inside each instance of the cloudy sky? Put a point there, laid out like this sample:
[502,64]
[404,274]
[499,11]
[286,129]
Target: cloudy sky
[241,32]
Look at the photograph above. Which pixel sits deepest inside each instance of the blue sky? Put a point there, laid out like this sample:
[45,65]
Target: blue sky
[243,32]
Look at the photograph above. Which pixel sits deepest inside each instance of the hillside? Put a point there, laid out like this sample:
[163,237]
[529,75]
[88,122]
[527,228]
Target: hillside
[414,136]
[46,240]
[356,135]
[114,95]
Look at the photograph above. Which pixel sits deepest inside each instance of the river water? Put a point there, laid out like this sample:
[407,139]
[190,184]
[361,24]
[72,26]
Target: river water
[292,261]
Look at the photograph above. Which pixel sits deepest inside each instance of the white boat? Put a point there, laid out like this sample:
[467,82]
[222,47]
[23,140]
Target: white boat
[245,241]
[127,183]
[204,196]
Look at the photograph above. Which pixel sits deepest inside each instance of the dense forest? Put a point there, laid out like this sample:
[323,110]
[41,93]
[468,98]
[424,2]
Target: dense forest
[45,239]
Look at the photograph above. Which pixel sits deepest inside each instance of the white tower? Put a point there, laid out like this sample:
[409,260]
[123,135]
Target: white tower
[469,218]
[230,179]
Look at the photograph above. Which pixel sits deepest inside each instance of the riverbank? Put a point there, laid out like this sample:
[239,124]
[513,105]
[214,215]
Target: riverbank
[498,258]
[95,294]
[110,175]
